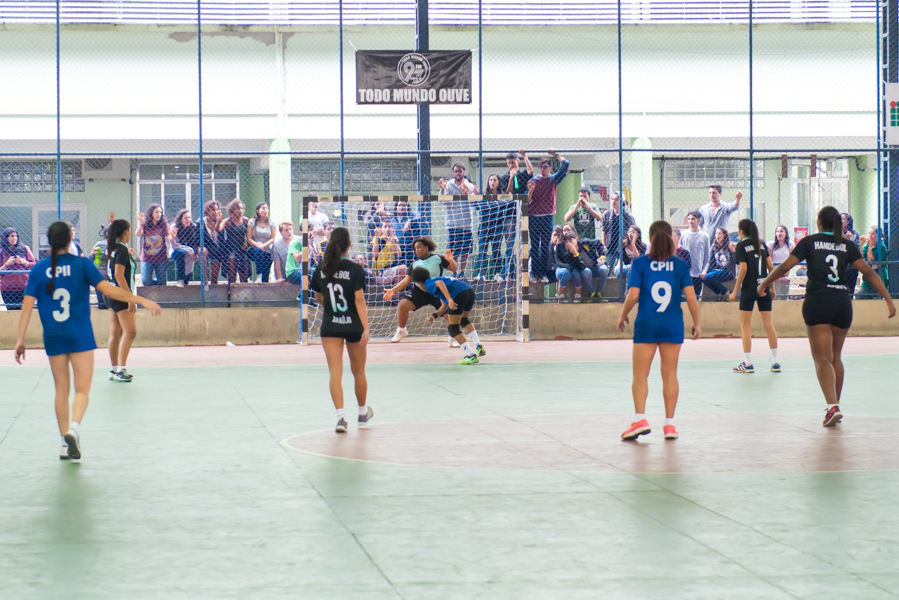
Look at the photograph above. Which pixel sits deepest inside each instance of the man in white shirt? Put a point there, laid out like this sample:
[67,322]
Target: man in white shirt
[318,219]
[458,215]
[698,243]
[716,213]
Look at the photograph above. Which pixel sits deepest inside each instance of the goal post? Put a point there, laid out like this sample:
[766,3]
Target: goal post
[488,236]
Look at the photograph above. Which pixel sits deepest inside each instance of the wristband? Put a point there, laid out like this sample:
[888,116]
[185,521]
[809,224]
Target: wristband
[435,315]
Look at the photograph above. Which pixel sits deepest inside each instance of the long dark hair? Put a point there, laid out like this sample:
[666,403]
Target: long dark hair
[116,230]
[152,209]
[59,234]
[638,243]
[338,244]
[18,249]
[749,227]
[268,219]
[661,241]
[724,244]
[487,190]
[831,221]
[178,216]
[776,244]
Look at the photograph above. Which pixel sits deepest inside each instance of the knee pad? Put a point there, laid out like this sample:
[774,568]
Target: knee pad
[464,322]
[454,330]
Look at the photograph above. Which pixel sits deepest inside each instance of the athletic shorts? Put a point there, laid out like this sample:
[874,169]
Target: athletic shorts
[351,337]
[649,333]
[420,298]
[828,309]
[464,302]
[459,240]
[115,305]
[56,345]
[749,298]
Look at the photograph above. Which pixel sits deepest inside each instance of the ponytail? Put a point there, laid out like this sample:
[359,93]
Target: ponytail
[830,220]
[60,235]
[661,241]
[116,230]
[749,227]
[338,244]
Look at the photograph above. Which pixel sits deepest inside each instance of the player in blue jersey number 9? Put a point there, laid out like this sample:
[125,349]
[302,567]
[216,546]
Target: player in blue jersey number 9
[656,282]
[60,284]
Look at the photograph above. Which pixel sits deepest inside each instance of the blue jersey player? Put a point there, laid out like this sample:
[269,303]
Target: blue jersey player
[60,285]
[656,282]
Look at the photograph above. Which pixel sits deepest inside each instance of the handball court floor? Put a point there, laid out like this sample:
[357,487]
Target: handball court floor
[217,474]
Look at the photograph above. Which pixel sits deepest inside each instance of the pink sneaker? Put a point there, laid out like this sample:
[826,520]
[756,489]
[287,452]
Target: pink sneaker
[636,429]
[670,432]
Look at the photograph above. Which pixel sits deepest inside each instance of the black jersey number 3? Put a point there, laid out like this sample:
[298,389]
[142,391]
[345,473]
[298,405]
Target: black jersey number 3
[338,301]
[832,261]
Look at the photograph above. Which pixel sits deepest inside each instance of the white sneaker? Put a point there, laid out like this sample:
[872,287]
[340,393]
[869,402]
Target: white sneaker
[498,278]
[64,451]
[452,343]
[544,280]
[400,334]
[72,442]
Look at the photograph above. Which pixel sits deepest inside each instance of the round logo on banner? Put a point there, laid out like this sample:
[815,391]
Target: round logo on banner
[413,69]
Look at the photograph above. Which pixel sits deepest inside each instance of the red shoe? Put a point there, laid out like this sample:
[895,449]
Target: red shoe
[636,429]
[833,416]
[670,432]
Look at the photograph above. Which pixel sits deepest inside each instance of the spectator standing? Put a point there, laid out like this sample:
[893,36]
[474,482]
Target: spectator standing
[234,228]
[385,247]
[698,244]
[213,242]
[513,182]
[610,224]
[153,231]
[716,213]
[14,256]
[406,226]
[631,248]
[585,214]
[319,219]
[853,236]
[874,249]
[458,215]
[490,233]
[541,210]
[280,250]
[185,245]
[722,264]
[260,238]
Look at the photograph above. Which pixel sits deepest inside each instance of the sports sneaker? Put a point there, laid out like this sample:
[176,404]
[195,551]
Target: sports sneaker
[544,280]
[577,298]
[775,367]
[364,419]
[452,343]
[832,416]
[72,443]
[341,425]
[744,368]
[636,429]
[400,334]
[64,451]
[481,350]
[469,360]
[122,376]
[111,374]
[670,432]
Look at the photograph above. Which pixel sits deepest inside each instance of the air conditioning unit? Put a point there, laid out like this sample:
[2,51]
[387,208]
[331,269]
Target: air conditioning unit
[259,164]
[110,169]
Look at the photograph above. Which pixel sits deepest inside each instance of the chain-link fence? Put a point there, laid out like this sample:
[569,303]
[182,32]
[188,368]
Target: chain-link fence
[204,124]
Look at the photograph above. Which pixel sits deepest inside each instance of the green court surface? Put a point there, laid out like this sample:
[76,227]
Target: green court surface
[504,480]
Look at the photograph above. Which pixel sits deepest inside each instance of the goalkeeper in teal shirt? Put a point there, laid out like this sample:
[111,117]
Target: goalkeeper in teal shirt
[457,299]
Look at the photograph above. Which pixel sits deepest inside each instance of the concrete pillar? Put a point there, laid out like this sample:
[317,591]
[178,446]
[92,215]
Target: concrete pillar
[641,184]
[279,180]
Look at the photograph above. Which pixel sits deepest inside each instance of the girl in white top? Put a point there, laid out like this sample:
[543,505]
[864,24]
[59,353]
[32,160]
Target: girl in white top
[261,233]
[779,249]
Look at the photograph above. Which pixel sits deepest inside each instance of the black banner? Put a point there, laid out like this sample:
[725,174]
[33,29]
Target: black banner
[400,77]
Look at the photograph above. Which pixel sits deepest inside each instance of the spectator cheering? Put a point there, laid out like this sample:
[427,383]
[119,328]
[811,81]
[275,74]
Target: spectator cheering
[261,237]
[697,243]
[385,249]
[458,215]
[715,214]
[585,214]
[722,264]
[541,209]
[516,180]
[185,246]
[14,256]
[153,231]
[610,224]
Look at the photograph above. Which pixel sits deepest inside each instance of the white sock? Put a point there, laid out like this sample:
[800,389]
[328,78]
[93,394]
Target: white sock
[746,358]
[341,413]
[639,417]
[64,442]
[75,426]
[115,369]
[467,347]
[773,354]
[669,421]
[363,410]
[829,406]
[403,329]
[474,337]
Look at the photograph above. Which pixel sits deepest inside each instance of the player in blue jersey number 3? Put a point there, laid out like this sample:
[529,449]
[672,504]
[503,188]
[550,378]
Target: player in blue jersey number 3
[60,285]
[656,281]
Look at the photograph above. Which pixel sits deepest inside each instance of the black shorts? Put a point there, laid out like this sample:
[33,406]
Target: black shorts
[421,298]
[459,240]
[115,305]
[351,337]
[464,302]
[828,309]
[749,298]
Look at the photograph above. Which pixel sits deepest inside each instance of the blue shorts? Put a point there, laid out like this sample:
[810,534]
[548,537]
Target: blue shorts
[649,333]
[65,345]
